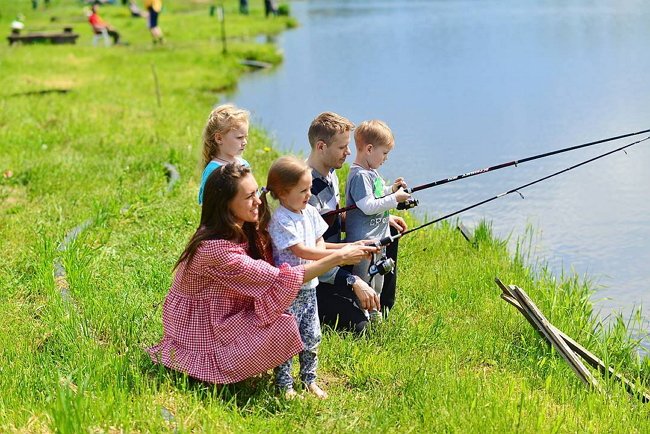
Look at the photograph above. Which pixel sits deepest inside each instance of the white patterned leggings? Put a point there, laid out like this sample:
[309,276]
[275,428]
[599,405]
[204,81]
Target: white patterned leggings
[305,310]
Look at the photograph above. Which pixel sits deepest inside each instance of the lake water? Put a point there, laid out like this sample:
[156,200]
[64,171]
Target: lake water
[470,84]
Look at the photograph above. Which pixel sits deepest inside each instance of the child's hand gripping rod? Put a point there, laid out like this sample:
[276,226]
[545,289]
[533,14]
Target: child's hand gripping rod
[385,241]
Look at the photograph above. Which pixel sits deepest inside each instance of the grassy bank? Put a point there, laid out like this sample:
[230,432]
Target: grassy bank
[451,357]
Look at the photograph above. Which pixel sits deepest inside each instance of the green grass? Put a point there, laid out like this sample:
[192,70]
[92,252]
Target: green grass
[451,357]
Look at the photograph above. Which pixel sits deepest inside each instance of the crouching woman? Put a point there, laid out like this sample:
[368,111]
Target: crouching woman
[224,317]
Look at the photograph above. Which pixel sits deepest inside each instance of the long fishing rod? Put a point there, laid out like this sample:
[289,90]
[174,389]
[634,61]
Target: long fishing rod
[389,239]
[493,168]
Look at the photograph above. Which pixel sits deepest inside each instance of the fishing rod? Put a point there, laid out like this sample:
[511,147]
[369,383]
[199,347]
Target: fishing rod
[389,239]
[413,203]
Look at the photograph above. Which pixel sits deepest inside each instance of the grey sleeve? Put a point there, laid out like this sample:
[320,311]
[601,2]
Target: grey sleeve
[329,276]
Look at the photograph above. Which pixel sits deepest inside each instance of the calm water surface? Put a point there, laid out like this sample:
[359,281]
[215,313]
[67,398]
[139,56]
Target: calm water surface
[470,84]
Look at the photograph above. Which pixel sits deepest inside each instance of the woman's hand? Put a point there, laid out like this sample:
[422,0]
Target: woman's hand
[353,254]
[368,299]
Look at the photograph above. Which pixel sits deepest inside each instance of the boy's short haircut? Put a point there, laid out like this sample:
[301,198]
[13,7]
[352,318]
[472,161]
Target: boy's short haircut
[373,132]
[325,126]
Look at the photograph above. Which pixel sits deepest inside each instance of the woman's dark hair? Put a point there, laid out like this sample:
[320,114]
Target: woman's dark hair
[218,222]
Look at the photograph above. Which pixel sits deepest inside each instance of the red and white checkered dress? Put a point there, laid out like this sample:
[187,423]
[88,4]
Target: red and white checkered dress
[223,317]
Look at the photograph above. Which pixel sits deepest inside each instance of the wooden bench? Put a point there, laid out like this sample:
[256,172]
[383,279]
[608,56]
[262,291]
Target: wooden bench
[67,37]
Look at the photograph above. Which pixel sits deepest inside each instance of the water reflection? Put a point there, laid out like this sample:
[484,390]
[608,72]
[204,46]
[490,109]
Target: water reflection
[465,85]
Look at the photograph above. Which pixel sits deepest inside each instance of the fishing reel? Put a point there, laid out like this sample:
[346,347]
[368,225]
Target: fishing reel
[408,204]
[383,266]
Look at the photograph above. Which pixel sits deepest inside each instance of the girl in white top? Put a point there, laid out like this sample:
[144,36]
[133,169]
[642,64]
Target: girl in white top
[296,229]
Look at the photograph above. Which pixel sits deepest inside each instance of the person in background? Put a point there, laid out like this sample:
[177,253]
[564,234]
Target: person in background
[135,10]
[243,7]
[35,3]
[154,7]
[99,25]
[17,24]
[224,316]
[270,8]
[224,139]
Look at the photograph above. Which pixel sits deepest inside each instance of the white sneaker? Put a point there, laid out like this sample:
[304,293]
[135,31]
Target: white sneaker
[375,316]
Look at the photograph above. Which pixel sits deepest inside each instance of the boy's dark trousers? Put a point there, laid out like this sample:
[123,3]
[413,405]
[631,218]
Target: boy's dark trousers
[390,280]
[336,306]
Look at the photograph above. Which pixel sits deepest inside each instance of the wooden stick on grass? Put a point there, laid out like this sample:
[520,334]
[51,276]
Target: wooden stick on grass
[542,325]
[588,356]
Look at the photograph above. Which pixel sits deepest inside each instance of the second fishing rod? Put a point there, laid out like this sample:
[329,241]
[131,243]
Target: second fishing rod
[413,202]
[391,238]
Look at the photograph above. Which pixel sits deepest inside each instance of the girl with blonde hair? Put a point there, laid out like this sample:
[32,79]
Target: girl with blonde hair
[224,139]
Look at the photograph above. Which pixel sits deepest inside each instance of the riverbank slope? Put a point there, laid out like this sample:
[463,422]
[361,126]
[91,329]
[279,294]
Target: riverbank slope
[85,133]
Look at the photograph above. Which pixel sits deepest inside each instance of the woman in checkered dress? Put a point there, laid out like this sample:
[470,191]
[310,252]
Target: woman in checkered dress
[224,317]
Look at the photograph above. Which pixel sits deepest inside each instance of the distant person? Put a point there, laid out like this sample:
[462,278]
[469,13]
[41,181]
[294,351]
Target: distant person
[154,7]
[224,139]
[224,317]
[270,8]
[135,10]
[100,26]
[243,7]
[35,3]
[17,24]
[366,189]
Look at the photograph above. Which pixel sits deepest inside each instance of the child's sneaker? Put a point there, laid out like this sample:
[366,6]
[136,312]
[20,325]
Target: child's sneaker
[314,389]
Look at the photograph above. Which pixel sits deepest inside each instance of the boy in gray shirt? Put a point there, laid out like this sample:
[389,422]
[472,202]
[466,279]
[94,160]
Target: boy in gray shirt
[366,189]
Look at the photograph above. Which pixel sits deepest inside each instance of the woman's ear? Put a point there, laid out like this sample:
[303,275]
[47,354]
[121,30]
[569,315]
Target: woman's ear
[218,138]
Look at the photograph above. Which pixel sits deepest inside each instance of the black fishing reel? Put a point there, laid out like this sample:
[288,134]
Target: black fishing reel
[408,204]
[383,266]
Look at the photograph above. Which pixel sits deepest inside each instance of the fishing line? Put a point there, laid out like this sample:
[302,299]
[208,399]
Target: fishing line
[389,239]
[493,168]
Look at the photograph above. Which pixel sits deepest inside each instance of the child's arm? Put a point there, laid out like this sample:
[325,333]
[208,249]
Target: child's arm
[312,253]
[361,189]
[334,246]
[370,205]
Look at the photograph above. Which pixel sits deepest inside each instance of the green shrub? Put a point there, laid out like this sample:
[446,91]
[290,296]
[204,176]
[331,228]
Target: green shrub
[284,9]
